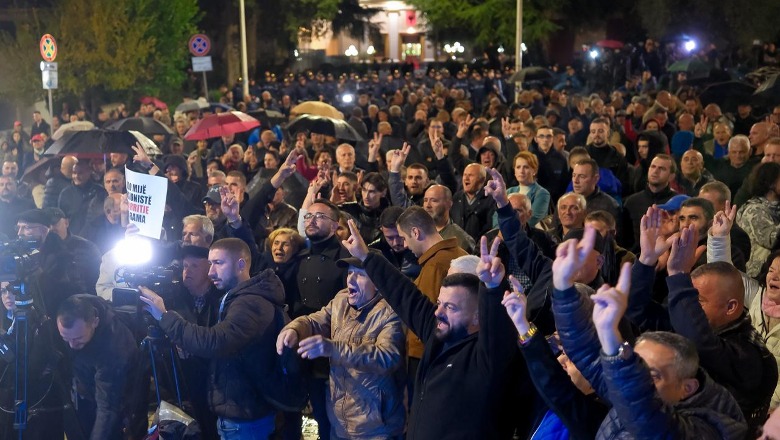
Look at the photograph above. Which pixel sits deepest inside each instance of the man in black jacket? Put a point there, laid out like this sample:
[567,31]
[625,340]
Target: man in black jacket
[393,246]
[106,365]
[243,338]
[471,209]
[469,343]
[77,197]
[661,173]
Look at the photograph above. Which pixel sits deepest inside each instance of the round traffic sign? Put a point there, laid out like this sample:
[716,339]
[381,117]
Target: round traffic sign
[199,45]
[48,47]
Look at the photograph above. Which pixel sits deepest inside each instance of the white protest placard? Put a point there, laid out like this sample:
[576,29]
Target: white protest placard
[146,202]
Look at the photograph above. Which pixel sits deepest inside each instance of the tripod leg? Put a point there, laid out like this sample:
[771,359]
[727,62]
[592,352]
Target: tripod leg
[175,366]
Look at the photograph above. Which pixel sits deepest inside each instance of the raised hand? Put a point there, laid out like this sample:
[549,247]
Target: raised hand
[490,270]
[609,306]
[373,147]
[438,147]
[355,244]
[506,128]
[570,258]
[229,205]
[141,156]
[287,338]
[398,158]
[700,128]
[724,220]
[315,346]
[496,188]
[651,242]
[464,125]
[515,303]
[684,252]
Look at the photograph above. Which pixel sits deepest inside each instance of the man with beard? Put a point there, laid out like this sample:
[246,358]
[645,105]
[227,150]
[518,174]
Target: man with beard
[438,203]
[373,189]
[319,278]
[468,344]
[344,189]
[58,181]
[11,206]
[76,198]
[603,153]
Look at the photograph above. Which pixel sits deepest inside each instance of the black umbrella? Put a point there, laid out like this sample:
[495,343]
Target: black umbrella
[96,143]
[728,95]
[768,94]
[534,73]
[192,106]
[267,118]
[328,126]
[147,126]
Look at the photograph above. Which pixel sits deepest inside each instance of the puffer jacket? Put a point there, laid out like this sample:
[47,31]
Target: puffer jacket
[245,335]
[760,218]
[637,411]
[366,367]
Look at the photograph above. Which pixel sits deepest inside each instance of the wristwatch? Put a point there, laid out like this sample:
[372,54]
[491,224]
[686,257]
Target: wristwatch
[625,351]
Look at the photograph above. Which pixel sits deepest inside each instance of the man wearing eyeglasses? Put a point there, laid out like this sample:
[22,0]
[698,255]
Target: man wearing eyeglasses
[319,279]
[553,167]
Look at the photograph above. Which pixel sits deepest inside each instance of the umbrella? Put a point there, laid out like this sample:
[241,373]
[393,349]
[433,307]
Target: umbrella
[610,44]
[337,128]
[96,143]
[218,107]
[148,126]
[36,173]
[154,101]
[316,108]
[267,118]
[695,67]
[768,93]
[533,73]
[727,94]
[72,126]
[221,124]
[192,106]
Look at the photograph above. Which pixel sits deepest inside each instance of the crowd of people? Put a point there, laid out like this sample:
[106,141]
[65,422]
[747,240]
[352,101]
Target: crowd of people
[563,266]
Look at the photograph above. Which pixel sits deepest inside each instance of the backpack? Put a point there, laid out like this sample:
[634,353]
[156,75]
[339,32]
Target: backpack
[285,388]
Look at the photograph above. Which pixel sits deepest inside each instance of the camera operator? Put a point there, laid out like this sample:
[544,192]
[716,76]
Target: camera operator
[243,338]
[44,397]
[109,383]
[197,301]
[61,275]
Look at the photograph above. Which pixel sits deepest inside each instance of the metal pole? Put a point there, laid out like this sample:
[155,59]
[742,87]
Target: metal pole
[244,66]
[205,87]
[519,48]
[51,106]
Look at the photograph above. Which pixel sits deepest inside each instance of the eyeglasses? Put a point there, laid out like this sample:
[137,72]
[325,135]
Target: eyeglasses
[317,216]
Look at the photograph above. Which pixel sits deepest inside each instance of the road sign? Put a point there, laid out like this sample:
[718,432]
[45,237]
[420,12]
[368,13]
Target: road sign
[49,75]
[48,48]
[201,64]
[199,45]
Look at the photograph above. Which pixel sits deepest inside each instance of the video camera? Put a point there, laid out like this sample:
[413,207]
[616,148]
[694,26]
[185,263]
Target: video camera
[157,278]
[18,259]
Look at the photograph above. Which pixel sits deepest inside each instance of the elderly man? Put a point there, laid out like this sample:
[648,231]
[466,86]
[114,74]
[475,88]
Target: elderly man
[733,169]
[58,181]
[76,198]
[471,207]
[11,206]
[759,135]
[438,203]
[692,174]
[570,215]
[364,340]
[345,157]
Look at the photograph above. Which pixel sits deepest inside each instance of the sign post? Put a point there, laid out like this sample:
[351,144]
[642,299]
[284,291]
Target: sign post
[48,47]
[199,46]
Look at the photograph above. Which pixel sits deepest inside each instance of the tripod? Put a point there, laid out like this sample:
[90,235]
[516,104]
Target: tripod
[155,343]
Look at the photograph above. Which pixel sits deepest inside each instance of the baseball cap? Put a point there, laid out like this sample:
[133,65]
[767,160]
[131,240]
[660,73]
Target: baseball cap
[213,196]
[38,216]
[36,137]
[674,203]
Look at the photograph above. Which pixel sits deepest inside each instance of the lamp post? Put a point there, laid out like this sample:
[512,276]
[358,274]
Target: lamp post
[244,66]
[519,49]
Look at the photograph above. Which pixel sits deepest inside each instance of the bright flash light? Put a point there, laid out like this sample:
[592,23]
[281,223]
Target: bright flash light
[593,54]
[133,251]
[295,53]
[347,98]
[370,50]
[690,46]
[523,47]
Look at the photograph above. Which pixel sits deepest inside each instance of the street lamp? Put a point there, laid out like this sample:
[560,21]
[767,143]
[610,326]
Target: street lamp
[351,51]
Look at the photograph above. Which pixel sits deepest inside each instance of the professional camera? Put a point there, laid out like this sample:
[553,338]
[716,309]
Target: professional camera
[18,258]
[158,278]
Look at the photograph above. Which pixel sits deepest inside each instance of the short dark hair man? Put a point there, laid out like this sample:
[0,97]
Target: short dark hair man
[243,338]
[392,244]
[106,365]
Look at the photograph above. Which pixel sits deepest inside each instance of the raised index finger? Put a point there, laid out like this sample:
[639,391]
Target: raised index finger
[353,229]
[483,248]
[495,246]
[624,281]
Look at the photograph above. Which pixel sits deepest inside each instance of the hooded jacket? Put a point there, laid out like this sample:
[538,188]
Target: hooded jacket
[244,336]
[759,218]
